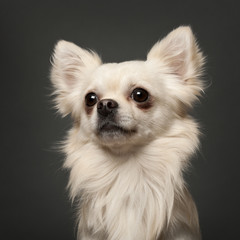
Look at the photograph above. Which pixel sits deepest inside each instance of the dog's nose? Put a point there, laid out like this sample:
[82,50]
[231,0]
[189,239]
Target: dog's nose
[106,106]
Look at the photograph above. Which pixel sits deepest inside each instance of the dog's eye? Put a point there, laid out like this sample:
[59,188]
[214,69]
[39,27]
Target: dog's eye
[139,95]
[91,99]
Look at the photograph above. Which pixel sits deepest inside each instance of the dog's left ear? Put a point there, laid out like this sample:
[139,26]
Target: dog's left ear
[180,57]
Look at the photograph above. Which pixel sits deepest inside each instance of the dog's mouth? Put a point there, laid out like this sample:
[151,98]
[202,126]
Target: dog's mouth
[113,129]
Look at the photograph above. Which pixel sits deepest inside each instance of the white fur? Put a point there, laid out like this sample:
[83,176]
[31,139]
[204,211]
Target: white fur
[130,187]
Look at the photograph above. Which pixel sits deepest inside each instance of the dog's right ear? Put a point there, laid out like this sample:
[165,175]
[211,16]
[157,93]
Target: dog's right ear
[70,67]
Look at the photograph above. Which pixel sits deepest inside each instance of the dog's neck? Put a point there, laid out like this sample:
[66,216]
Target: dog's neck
[161,149]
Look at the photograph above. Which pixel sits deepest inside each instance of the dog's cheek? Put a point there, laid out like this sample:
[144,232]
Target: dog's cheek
[154,120]
[93,120]
[87,123]
[142,118]
[163,118]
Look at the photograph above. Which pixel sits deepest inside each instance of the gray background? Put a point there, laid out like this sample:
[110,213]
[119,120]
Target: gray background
[34,201]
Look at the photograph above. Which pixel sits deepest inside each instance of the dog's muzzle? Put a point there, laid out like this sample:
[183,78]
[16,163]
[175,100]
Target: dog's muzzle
[107,109]
[107,119]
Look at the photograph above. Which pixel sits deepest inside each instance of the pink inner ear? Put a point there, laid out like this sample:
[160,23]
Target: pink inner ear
[177,56]
[71,70]
[70,78]
[179,64]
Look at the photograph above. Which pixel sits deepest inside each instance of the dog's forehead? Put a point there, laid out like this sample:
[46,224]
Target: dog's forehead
[122,67]
[116,75]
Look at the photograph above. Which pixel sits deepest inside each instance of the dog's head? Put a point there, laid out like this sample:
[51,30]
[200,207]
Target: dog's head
[128,103]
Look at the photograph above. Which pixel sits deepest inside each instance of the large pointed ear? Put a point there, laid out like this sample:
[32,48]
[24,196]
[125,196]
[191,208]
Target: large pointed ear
[70,68]
[181,58]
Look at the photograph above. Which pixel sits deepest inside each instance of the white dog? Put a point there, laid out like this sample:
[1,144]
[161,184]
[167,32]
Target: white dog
[131,139]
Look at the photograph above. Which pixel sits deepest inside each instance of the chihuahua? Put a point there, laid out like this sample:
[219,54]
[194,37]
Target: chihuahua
[131,139]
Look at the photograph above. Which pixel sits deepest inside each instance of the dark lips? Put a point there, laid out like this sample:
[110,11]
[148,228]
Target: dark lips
[110,127]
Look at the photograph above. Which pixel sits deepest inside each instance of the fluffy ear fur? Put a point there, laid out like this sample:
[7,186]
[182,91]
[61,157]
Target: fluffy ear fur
[70,65]
[178,56]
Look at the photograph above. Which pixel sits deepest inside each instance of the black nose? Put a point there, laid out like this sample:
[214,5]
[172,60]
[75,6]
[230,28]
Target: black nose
[106,107]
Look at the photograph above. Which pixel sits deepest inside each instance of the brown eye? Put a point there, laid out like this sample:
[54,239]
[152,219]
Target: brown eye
[91,99]
[139,95]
